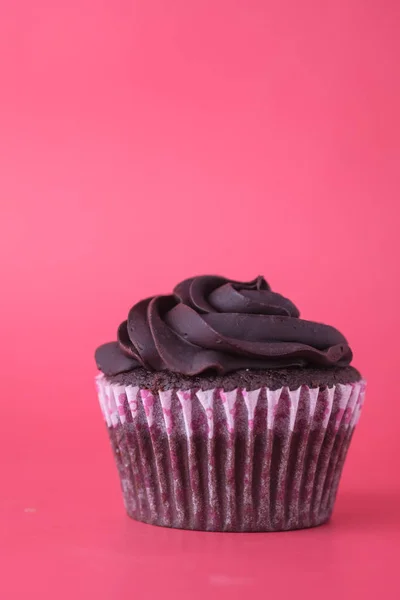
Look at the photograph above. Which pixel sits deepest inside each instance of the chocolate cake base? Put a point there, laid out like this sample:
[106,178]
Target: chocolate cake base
[239,460]
[251,379]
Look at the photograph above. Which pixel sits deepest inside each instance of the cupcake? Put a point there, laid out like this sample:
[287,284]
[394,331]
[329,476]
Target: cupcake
[226,411]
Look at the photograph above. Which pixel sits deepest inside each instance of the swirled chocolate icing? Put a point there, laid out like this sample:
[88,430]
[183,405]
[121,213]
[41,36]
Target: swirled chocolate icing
[210,323]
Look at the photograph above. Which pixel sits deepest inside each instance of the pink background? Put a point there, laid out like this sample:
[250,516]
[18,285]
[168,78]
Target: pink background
[145,141]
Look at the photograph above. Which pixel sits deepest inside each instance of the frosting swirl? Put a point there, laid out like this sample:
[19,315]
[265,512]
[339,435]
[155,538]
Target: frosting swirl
[213,323]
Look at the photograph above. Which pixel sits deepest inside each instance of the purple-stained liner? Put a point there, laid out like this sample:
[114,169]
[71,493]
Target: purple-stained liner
[262,460]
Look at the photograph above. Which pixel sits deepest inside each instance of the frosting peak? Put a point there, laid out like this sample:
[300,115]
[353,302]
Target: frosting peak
[214,323]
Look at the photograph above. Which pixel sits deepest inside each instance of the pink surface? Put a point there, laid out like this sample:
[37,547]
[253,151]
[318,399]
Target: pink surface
[142,142]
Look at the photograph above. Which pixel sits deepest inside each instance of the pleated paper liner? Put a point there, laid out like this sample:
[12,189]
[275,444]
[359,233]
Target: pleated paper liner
[262,460]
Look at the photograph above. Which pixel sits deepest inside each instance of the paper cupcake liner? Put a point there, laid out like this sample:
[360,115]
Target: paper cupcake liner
[262,460]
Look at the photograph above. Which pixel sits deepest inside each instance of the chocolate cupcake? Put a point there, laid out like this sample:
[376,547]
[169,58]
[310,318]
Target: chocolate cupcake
[226,411]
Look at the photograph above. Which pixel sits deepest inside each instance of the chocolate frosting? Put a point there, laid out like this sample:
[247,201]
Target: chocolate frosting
[210,323]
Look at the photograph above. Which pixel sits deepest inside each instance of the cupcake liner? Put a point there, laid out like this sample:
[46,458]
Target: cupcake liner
[217,460]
